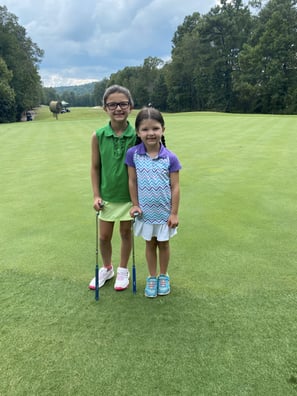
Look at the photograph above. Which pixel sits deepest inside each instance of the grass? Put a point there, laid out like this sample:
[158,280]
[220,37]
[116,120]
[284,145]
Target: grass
[229,325]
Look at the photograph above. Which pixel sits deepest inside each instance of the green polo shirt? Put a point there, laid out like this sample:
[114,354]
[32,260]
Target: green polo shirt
[113,171]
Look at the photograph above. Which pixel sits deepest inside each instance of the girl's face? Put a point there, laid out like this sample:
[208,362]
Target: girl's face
[150,132]
[118,107]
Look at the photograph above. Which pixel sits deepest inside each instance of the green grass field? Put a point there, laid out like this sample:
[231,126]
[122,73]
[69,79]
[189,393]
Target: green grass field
[228,327]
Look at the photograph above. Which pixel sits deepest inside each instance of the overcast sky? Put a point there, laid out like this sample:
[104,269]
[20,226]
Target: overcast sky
[88,40]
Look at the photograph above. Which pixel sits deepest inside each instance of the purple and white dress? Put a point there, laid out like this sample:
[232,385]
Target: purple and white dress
[154,191]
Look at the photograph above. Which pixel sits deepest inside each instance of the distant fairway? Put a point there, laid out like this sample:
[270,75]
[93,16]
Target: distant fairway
[228,327]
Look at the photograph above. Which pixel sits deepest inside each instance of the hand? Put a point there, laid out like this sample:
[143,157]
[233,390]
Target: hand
[98,204]
[172,221]
[135,209]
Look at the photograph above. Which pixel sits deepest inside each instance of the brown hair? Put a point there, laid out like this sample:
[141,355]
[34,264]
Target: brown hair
[149,113]
[117,89]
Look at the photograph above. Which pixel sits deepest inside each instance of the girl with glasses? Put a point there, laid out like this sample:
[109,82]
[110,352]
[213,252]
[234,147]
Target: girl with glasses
[109,179]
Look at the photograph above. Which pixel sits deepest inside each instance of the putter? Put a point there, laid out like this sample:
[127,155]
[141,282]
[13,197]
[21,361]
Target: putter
[133,255]
[97,267]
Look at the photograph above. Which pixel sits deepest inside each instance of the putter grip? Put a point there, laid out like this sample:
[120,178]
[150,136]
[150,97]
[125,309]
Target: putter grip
[134,278]
[97,283]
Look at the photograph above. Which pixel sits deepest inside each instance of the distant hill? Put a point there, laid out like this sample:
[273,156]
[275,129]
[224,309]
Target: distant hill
[78,90]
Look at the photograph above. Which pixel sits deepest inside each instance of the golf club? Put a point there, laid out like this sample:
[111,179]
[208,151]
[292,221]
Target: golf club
[97,266]
[133,255]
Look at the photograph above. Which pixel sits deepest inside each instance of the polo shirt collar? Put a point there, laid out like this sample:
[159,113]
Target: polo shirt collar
[162,151]
[129,131]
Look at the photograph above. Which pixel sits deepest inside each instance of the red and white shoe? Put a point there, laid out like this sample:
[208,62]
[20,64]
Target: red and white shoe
[104,275]
[122,280]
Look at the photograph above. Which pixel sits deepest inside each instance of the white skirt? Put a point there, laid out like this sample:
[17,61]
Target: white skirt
[161,231]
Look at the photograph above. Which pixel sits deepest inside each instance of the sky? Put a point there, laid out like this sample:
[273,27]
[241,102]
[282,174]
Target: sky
[88,40]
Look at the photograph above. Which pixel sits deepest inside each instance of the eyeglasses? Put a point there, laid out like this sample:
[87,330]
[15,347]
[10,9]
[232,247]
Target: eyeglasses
[113,105]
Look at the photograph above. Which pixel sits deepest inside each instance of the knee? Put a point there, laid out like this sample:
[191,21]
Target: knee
[104,238]
[163,245]
[152,244]
[126,234]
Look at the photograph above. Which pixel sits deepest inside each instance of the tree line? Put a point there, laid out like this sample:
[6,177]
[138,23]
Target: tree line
[235,58]
[20,84]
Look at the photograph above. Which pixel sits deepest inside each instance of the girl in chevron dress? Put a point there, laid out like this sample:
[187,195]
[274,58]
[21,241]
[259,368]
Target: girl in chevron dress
[154,189]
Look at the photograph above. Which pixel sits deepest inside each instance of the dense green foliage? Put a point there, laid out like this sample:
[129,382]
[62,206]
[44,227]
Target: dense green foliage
[20,85]
[236,58]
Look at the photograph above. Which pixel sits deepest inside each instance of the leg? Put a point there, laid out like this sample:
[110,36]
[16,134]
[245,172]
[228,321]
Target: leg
[106,231]
[151,288]
[126,243]
[106,272]
[163,279]
[164,255]
[122,280]
[151,256]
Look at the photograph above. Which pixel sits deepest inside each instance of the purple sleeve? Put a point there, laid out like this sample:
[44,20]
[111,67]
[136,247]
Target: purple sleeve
[130,157]
[175,165]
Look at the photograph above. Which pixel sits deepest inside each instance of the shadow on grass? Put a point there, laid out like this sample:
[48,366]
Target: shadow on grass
[56,339]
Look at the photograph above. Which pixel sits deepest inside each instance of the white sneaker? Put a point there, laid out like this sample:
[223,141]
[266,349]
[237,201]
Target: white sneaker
[104,275]
[122,280]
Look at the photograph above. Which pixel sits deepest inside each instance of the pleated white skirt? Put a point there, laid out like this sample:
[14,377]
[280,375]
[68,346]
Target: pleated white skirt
[161,231]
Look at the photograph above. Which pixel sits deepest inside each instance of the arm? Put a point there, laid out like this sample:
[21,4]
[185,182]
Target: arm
[133,191]
[95,172]
[175,196]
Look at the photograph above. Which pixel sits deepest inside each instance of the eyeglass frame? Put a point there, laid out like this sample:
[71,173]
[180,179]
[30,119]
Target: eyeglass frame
[114,105]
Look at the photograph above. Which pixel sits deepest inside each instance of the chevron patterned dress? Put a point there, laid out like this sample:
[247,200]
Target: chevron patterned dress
[154,190]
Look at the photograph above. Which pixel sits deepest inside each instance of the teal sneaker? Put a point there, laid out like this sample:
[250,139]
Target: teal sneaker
[163,285]
[151,288]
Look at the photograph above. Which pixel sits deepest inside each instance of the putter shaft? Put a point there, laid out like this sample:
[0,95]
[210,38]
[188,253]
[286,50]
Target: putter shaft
[97,266]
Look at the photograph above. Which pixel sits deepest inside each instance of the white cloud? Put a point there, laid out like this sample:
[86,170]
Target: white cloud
[84,41]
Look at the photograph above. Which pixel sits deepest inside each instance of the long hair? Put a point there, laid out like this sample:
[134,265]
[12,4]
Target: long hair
[149,113]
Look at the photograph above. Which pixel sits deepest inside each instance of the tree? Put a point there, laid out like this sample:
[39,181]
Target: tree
[150,73]
[160,92]
[217,64]
[99,90]
[7,95]
[268,61]
[205,58]
[179,76]
[22,57]
[48,94]
[225,30]
[133,79]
